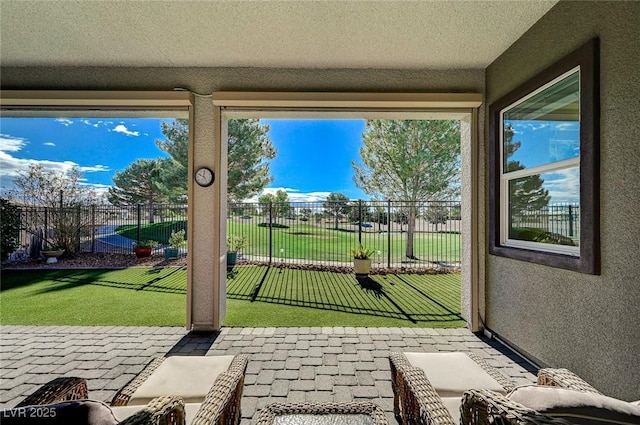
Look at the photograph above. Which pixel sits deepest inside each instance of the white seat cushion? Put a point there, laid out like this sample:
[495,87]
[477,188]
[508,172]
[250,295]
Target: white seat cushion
[576,406]
[123,412]
[451,374]
[453,406]
[189,377]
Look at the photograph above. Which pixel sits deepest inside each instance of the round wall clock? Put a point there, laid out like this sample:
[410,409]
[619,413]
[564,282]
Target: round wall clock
[204,176]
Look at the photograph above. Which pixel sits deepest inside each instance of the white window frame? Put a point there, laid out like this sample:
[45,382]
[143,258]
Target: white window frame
[506,177]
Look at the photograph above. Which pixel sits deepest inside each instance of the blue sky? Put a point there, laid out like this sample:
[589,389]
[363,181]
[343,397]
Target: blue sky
[543,142]
[313,156]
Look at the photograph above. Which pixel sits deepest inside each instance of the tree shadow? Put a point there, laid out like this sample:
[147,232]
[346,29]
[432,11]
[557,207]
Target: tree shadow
[323,291]
[150,281]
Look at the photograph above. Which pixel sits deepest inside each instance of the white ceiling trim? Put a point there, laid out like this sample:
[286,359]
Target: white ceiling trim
[318,100]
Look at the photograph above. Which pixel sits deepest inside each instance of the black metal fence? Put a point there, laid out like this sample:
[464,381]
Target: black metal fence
[98,228]
[398,234]
[558,219]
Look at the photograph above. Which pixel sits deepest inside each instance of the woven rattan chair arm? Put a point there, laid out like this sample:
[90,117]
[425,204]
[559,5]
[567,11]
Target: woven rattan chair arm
[58,390]
[398,360]
[166,410]
[506,383]
[221,406]
[268,414]
[123,396]
[564,378]
[239,364]
[421,404]
[485,407]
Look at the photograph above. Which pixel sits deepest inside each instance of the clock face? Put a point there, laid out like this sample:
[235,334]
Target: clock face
[204,176]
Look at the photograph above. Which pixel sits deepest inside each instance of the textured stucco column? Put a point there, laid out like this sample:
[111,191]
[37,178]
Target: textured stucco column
[469,292]
[203,237]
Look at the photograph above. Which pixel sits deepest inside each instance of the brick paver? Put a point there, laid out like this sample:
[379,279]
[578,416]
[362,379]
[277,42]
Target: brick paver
[285,364]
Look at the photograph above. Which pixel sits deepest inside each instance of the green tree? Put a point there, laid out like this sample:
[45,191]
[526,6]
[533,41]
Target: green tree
[436,214]
[142,182]
[279,203]
[410,160]
[527,193]
[249,150]
[176,144]
[265,201]
[337,205]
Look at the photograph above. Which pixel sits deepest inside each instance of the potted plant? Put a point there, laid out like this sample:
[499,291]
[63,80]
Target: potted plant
[362,260]
[234,244]
[144,248]
[52,253]
[176,241]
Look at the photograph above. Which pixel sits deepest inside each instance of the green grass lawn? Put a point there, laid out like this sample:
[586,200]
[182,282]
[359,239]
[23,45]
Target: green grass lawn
[315,242]
[256,296]
[304,240]
[133,297]
[314,298]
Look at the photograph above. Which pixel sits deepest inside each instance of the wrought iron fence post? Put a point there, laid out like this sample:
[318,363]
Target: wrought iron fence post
[139,221]
[46,222]
[93,229]
[78,225]
[570,220]
[389,234]
[360,221]
[270,231]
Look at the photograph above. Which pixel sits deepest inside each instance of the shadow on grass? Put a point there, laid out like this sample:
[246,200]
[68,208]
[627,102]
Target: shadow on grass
[166,280]
[371,295]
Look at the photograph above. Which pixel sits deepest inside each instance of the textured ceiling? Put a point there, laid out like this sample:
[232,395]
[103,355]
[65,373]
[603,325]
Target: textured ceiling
[285,34]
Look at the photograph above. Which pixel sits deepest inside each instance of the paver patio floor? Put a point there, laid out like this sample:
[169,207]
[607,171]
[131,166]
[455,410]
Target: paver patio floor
[285,364]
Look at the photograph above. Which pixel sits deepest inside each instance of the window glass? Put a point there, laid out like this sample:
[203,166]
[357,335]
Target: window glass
[545,208]
[545,127]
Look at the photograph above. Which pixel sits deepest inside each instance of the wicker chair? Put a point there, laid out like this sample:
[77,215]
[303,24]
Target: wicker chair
[415,396]
[161,411]
[482,407]
[221,405]
[420,404]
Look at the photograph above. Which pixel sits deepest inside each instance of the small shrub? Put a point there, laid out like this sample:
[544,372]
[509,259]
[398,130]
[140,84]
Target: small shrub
[9,228]
[176,240]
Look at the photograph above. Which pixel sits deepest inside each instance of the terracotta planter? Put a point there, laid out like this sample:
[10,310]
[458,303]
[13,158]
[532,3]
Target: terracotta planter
[143,251]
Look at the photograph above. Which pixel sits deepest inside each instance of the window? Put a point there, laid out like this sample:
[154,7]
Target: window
[544,167]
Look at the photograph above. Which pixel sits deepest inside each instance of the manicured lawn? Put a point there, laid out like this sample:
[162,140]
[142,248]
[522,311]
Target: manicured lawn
[304,240]
[256,296]
[316,242]
[313,298]
[133,297]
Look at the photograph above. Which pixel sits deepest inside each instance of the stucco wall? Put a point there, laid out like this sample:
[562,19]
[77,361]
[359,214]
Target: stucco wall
[589,324]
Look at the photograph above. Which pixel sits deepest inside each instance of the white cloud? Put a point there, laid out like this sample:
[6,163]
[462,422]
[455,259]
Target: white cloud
[121,128]
[94,168]
[563,186]
[294,195]
[49,144]
[11,144]
[87,122]
[564,126]
[64,121]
